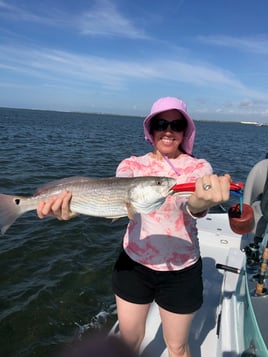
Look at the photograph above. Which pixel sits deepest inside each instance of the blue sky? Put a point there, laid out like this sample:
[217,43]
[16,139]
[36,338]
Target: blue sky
[118,56]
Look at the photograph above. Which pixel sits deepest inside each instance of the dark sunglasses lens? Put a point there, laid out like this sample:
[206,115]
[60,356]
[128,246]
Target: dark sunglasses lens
[175,125]
[160,125]
[178,125]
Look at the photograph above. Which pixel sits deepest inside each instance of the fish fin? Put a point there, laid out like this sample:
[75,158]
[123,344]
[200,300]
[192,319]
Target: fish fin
[10,210]
[130,210]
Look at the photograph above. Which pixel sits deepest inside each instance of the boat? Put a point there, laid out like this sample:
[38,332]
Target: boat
[233,320]
[256,123]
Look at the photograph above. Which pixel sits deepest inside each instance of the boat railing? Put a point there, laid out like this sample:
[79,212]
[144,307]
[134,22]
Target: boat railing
[256,302]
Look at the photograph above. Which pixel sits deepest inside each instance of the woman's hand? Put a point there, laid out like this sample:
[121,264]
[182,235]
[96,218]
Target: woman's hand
[56,206]
[209,191]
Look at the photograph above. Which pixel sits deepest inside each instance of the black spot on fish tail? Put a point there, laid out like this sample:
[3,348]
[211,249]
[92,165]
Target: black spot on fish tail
[17,201]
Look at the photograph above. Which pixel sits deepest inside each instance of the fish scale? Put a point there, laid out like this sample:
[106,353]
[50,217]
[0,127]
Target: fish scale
[112,197]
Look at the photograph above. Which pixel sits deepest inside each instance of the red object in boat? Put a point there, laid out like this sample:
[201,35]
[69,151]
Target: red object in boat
[241,222]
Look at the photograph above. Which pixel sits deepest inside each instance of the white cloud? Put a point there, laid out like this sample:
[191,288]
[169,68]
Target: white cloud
[104,19]
[19,14]
[257,44]
[55,65]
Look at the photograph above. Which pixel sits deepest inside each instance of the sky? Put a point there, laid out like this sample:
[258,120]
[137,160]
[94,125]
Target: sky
[119,56]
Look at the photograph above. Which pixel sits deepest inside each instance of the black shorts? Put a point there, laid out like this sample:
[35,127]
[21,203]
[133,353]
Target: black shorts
[178,291]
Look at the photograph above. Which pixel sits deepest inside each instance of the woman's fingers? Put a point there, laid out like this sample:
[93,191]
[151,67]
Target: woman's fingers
[210,190]
[57,206]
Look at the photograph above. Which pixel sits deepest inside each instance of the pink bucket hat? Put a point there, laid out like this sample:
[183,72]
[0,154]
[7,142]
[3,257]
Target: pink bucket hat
[168,103]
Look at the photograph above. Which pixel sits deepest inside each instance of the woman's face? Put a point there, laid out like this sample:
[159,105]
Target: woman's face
[168,138]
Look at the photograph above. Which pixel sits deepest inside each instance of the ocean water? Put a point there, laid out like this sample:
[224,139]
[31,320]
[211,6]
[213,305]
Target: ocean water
[55,277]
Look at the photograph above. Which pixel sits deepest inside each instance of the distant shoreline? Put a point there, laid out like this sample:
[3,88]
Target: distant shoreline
[133,116]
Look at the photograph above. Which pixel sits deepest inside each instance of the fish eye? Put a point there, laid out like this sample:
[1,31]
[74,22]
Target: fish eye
[158,182]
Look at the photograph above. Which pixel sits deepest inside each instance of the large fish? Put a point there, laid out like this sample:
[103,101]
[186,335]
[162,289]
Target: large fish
[112,197]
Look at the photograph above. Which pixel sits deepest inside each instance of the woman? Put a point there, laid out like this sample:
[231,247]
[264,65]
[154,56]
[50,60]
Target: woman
[160,259]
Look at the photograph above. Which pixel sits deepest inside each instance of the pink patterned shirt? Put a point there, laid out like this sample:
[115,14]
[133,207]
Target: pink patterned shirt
[167,238]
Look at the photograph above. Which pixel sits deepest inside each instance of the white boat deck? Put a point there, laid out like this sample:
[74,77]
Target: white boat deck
[218,245]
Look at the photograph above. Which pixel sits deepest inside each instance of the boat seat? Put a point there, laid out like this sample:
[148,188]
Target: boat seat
[256,195]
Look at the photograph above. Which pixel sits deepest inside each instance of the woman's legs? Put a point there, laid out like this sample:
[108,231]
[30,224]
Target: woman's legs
[176,328]
[132,319]
[179,291]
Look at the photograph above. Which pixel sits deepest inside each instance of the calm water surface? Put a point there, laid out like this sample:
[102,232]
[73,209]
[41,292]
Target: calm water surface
[55,280]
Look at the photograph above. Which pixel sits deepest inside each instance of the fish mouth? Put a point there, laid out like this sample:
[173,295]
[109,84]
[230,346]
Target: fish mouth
[171,191]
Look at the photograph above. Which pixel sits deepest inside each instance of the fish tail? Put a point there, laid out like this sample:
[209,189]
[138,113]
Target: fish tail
[10,210]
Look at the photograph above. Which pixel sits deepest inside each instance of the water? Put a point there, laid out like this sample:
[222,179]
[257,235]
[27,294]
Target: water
[55,280]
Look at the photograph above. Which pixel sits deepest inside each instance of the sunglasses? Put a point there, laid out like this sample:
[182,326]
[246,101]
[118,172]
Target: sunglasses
[177,125]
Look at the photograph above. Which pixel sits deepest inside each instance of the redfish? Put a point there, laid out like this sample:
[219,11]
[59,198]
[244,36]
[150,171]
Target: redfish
[112,197]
